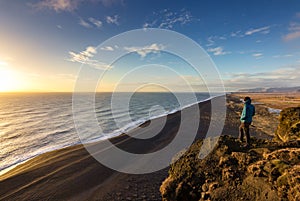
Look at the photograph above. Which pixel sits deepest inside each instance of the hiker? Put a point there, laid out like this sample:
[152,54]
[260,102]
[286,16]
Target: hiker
[246,120]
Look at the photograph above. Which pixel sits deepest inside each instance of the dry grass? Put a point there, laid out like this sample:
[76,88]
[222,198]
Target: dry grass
[274,100]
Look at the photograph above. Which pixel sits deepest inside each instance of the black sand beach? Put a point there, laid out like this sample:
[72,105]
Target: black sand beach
[73,174]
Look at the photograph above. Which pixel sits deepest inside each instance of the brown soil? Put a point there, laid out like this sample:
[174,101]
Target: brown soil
[268,170]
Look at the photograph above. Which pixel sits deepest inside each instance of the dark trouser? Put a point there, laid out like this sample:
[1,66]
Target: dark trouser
[244,128]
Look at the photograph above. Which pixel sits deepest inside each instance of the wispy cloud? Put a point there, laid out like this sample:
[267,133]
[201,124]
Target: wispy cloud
[294,32]
[90,23]
[167,19]
[283,77]
[263,30]
[257,55]
[83,56]
[283,56]
[84,23]
[112,19]
[95,22]
[237,34]
[107,48]
[292,36]
[58,5]
[217,51]
[294,26]
[143,51]
[86,57]
[70,5]
[249,32]
[212,39]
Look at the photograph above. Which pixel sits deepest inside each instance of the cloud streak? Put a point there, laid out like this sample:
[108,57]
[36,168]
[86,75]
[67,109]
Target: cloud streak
[214,39]
[86,57]
[144,51]
[95,22]
[257,55]
[294,32]
[166,19]
[112,19]
[70,5]
[107,48]
[283,56]
[217,51]
[292,36]
[263,30]
[287,76]
[84,23]
[58,5]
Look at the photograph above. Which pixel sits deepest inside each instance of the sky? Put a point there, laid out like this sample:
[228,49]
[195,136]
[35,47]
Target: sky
[46,43]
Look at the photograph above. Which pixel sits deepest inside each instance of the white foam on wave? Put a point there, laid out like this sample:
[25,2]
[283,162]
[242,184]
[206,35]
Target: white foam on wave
[137,123]
[103,136]
[32,155]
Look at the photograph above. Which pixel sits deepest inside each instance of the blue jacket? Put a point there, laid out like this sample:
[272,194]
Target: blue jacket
[248,112]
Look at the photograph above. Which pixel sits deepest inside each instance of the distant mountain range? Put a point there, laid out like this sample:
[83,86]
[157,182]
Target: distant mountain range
[273,90]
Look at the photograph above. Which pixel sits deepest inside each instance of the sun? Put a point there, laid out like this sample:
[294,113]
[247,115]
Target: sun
[8,80]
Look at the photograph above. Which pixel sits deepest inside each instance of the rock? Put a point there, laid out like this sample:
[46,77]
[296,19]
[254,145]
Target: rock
[213,186]
[205,187]
[205,196]
[269,171]
[289,125]
[228,173]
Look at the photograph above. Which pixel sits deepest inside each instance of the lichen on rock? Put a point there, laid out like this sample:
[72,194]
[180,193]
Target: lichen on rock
[289,125]
[267,171]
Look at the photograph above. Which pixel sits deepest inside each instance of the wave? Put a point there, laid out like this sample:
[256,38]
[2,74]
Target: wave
[104,136]
[135,124]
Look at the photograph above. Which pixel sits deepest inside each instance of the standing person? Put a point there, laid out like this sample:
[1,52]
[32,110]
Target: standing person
[246,120]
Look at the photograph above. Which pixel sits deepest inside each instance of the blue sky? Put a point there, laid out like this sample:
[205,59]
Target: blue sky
[253,43]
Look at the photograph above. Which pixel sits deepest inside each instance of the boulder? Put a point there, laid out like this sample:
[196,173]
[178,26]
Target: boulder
[289,125]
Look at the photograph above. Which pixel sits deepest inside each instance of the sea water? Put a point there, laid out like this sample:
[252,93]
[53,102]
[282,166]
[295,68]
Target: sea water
[35,123]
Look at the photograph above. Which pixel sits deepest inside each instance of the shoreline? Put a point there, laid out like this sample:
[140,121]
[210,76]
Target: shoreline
[126,129]
[73,174]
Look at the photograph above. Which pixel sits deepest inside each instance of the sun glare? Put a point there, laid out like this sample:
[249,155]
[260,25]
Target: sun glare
[8,80]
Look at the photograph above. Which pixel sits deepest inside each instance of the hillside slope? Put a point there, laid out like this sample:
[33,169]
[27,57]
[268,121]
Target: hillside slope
[269,170]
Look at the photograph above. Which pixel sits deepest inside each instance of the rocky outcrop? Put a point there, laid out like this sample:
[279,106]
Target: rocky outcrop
[289,125]
[266,171]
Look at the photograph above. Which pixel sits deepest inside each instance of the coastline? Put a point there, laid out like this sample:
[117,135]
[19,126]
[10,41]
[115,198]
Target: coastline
[128,128]
[81,176]
[71,173]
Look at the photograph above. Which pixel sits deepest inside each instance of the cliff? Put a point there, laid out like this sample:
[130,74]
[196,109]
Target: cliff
[289,125]
[269,170]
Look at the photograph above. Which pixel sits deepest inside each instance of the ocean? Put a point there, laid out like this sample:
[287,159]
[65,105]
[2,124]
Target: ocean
[35,123]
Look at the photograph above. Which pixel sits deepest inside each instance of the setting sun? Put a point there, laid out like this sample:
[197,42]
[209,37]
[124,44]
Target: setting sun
[8,80]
